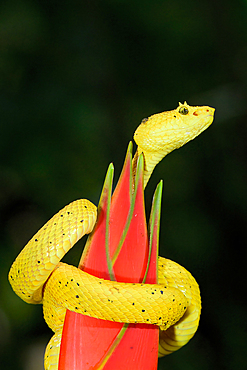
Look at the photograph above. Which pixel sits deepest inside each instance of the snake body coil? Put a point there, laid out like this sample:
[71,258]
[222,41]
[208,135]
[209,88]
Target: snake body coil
[38,276]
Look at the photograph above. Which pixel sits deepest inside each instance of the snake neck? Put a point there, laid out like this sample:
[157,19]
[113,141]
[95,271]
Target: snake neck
[151,159]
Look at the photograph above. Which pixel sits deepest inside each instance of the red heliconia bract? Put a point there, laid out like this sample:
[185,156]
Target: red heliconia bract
[119,248]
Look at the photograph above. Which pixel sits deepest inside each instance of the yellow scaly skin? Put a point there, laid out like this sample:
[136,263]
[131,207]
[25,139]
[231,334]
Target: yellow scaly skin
[174,304]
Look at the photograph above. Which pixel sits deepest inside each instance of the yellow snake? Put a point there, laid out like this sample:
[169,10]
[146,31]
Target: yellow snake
[38,276]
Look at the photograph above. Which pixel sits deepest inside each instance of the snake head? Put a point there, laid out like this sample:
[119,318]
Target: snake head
[166,131]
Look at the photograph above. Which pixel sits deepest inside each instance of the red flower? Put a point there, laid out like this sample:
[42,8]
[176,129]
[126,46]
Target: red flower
[119,249]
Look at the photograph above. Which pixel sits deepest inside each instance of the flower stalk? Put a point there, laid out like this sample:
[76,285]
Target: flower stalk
[119,248]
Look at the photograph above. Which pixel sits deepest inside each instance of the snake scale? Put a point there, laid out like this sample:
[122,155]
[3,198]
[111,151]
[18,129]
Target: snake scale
[174,304]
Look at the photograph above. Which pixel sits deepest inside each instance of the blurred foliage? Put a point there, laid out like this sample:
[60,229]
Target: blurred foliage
[76,78]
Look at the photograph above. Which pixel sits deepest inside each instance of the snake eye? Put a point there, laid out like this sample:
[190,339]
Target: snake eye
[183,110]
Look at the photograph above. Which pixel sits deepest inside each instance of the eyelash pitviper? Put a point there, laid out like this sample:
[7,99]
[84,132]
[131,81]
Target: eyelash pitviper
[38,276]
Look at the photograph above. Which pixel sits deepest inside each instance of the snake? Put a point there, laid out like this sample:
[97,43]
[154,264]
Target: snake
[174,304]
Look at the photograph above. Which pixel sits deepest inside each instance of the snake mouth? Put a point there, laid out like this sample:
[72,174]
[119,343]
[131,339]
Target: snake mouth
[188,133]
[205,122]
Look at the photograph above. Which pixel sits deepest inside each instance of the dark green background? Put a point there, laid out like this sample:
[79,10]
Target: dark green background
[76,78]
